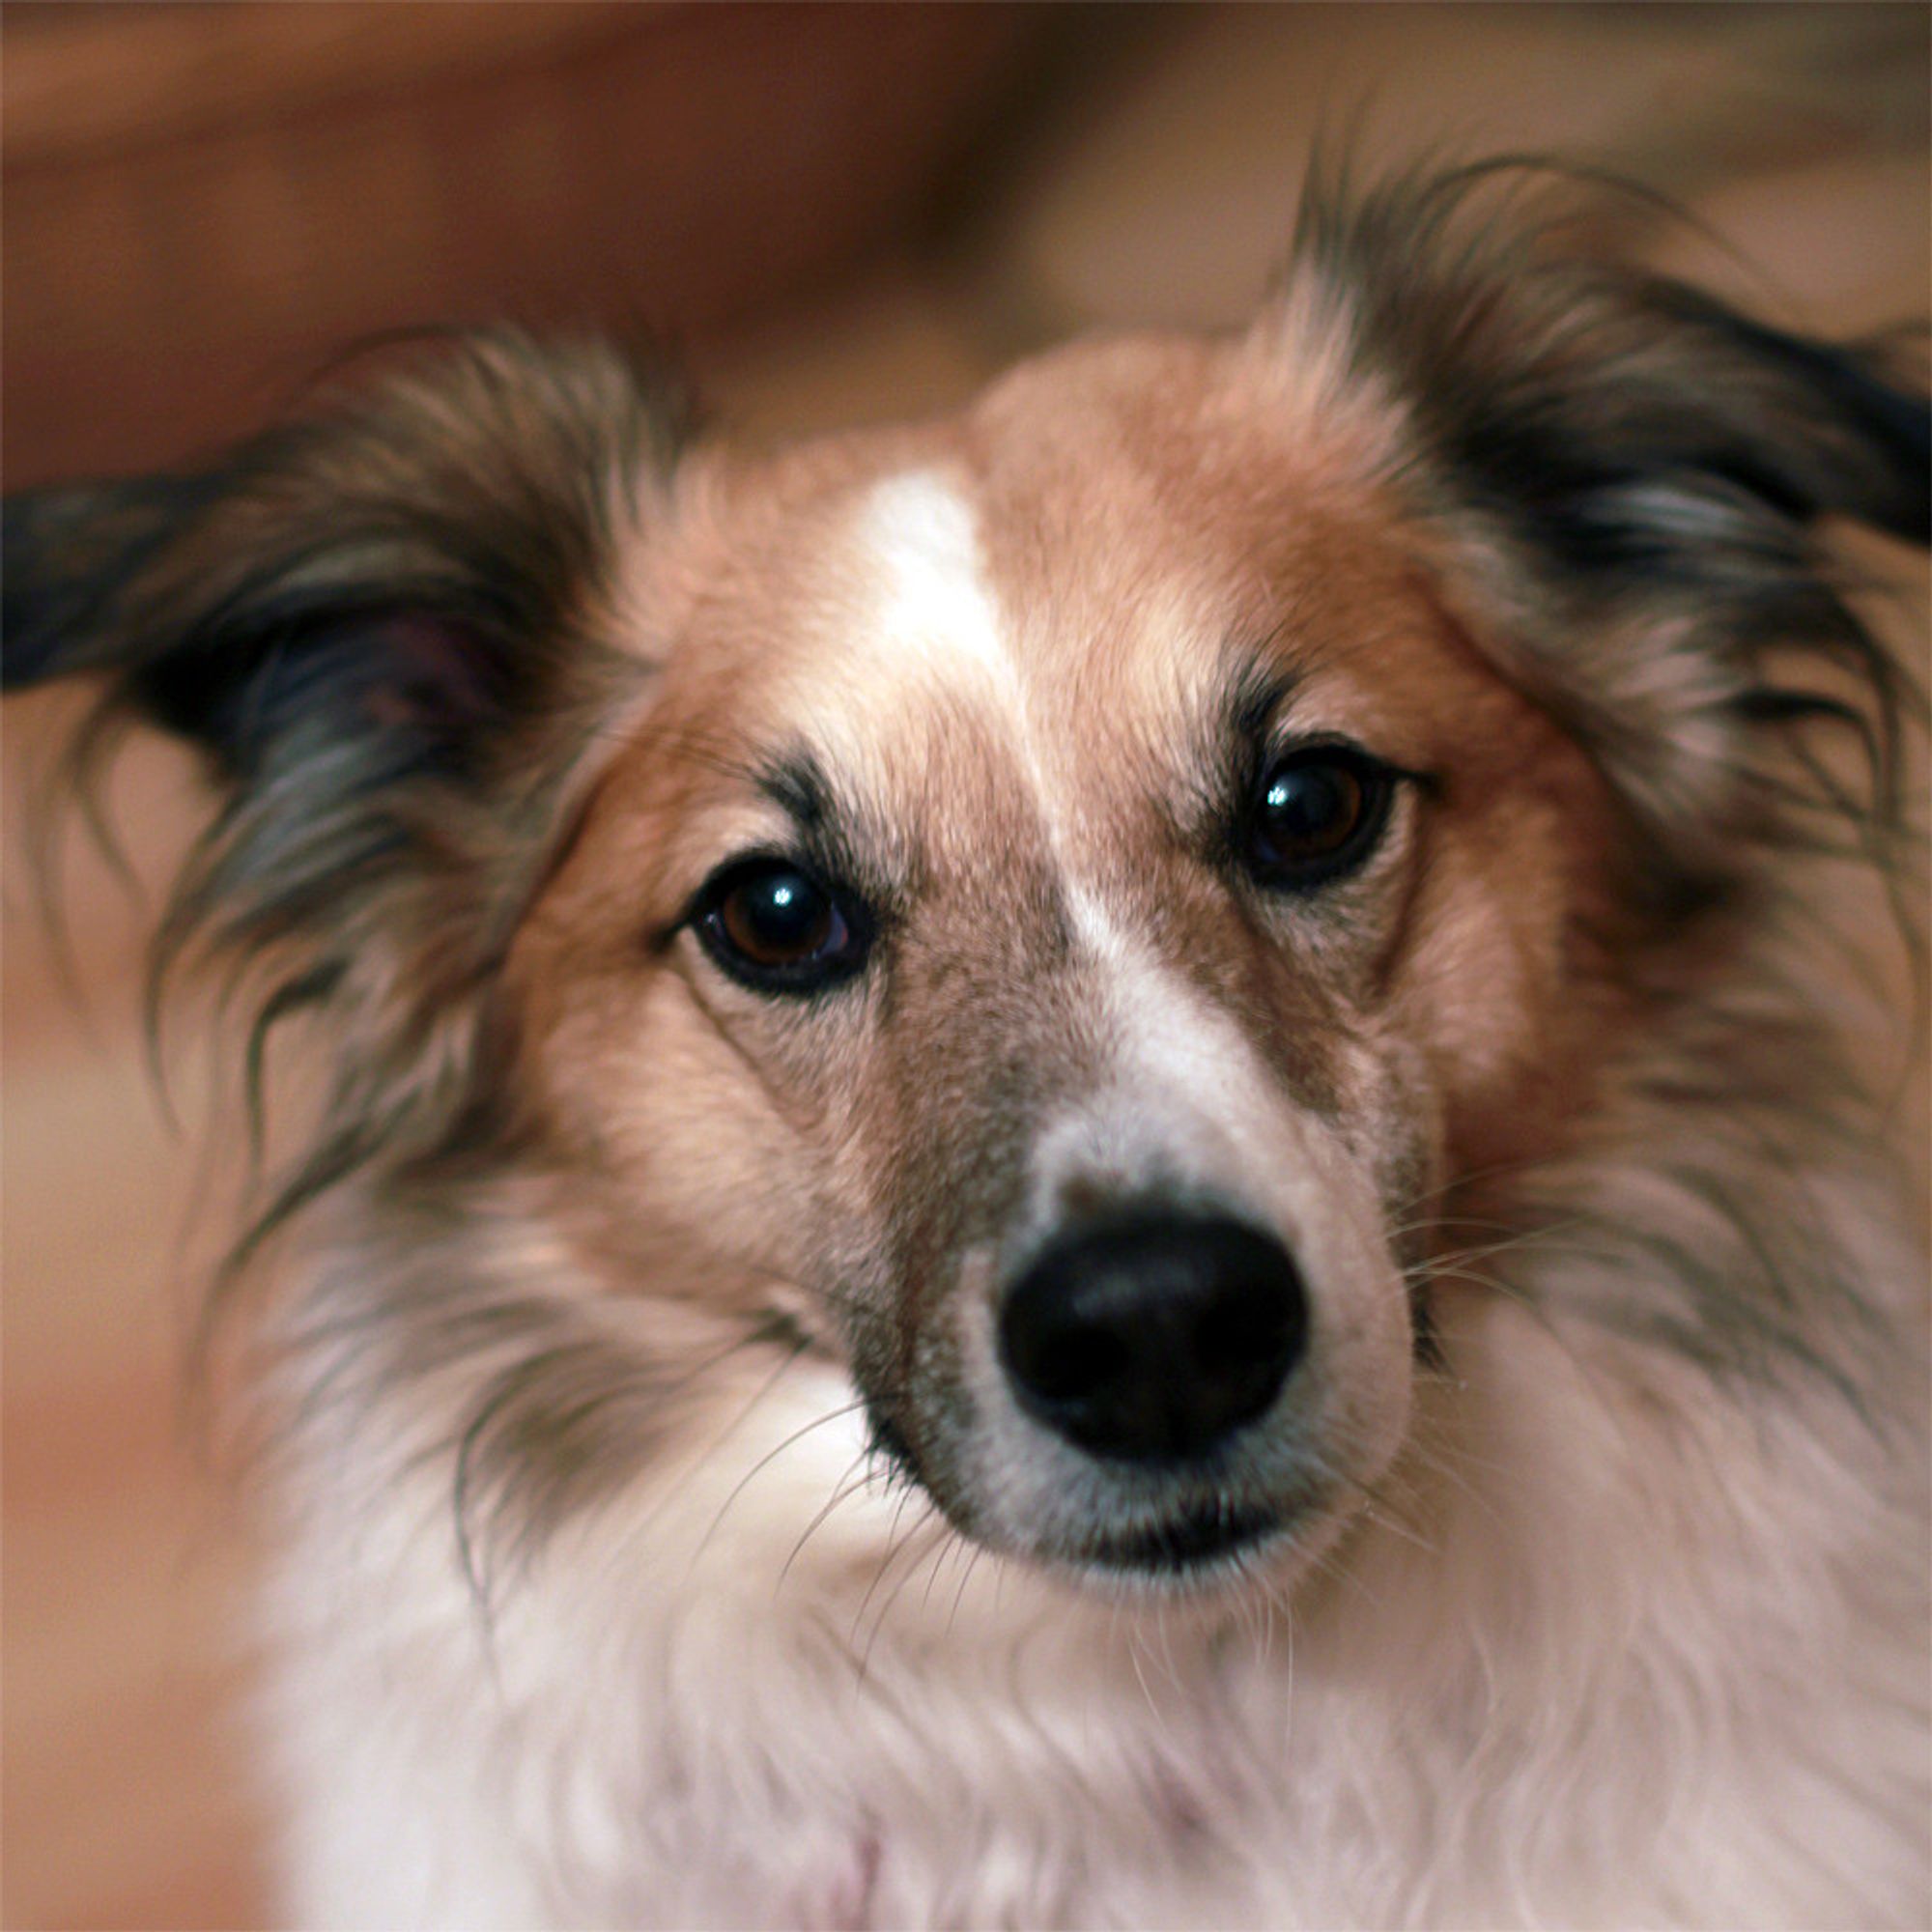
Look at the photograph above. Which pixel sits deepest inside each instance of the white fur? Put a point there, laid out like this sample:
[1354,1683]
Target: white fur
[920,537]
[936,617]
[1654,1660]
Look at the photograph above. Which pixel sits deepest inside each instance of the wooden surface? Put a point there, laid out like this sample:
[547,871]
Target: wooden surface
[205,203]
[127,1797]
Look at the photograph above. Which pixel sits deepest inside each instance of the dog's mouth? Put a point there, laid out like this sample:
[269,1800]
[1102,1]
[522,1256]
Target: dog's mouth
[1188,1546]
[1197,1542]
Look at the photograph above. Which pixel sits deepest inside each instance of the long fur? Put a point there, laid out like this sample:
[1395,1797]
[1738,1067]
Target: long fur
[605,1607]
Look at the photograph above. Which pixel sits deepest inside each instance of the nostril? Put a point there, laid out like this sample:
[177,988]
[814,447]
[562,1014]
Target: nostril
[1155,1334]
[1242,1328]
[1068,1361]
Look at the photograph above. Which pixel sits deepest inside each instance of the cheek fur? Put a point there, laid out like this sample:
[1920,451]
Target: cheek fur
[1501,978]
[715,1129]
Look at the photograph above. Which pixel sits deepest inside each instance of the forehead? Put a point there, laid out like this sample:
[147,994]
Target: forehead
[1081,575]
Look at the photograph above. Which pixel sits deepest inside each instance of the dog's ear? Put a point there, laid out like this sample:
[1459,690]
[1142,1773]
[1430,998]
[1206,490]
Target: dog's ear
[233,635]
[404,576]
[387,630]
[1632,478]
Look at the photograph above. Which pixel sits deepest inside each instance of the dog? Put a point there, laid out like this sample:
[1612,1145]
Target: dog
[1086,1166]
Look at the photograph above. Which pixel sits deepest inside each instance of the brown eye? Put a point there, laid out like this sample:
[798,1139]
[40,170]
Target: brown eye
[1317,814]
[775,928]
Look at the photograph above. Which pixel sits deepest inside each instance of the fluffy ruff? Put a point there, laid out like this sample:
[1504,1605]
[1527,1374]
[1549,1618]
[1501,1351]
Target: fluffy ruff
[1624,1639]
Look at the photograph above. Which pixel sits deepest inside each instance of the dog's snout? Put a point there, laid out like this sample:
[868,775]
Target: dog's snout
[1153,1335]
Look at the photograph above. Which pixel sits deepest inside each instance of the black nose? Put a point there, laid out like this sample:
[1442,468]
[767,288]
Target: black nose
[1153,1335]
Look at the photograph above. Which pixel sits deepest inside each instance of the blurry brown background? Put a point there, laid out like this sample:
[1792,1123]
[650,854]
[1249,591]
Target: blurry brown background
[837,213]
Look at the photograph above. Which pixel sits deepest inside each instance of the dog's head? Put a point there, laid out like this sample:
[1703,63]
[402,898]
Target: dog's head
[1044,908]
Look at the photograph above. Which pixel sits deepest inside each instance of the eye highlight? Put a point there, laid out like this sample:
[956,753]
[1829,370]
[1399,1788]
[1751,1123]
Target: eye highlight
[1317,814]
[775,928]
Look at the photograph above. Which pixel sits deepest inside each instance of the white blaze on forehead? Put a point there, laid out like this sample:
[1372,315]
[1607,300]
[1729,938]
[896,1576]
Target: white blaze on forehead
[936,611]
[938,615]
[932,624]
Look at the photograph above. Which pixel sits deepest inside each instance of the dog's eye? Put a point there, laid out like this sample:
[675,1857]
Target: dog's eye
[775,928]
[1317,814]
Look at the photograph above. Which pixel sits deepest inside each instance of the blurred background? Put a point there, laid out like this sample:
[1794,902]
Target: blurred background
[836,212]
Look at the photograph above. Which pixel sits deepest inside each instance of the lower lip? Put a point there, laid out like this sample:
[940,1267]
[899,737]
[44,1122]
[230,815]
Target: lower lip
[1188,1547]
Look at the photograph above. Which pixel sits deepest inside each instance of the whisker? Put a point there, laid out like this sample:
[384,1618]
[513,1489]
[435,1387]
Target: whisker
[959,1595]
[842,1492]
[641,1530]
[936,1544]
[765,1461]
[894,1546]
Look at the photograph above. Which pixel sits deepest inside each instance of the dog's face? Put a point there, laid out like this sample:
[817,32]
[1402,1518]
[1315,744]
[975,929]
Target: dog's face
[1051,910]
[1071,900]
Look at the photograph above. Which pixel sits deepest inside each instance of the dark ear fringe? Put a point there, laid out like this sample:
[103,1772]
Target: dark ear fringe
[1633,476]
[68,553]
[1627,485]
[383,627]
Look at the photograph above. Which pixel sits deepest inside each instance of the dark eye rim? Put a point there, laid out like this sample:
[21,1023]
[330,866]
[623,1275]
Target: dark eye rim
[705,916]
[1378,782]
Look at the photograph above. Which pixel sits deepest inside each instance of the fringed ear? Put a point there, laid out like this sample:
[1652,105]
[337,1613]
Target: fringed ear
[67,554]
[1632,478]
[383,629]
[407,569]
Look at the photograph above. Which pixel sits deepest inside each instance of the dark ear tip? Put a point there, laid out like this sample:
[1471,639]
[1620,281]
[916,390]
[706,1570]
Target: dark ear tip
[66,552]
[1882,428]
[26,645]
[1911,430]
[27,656]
